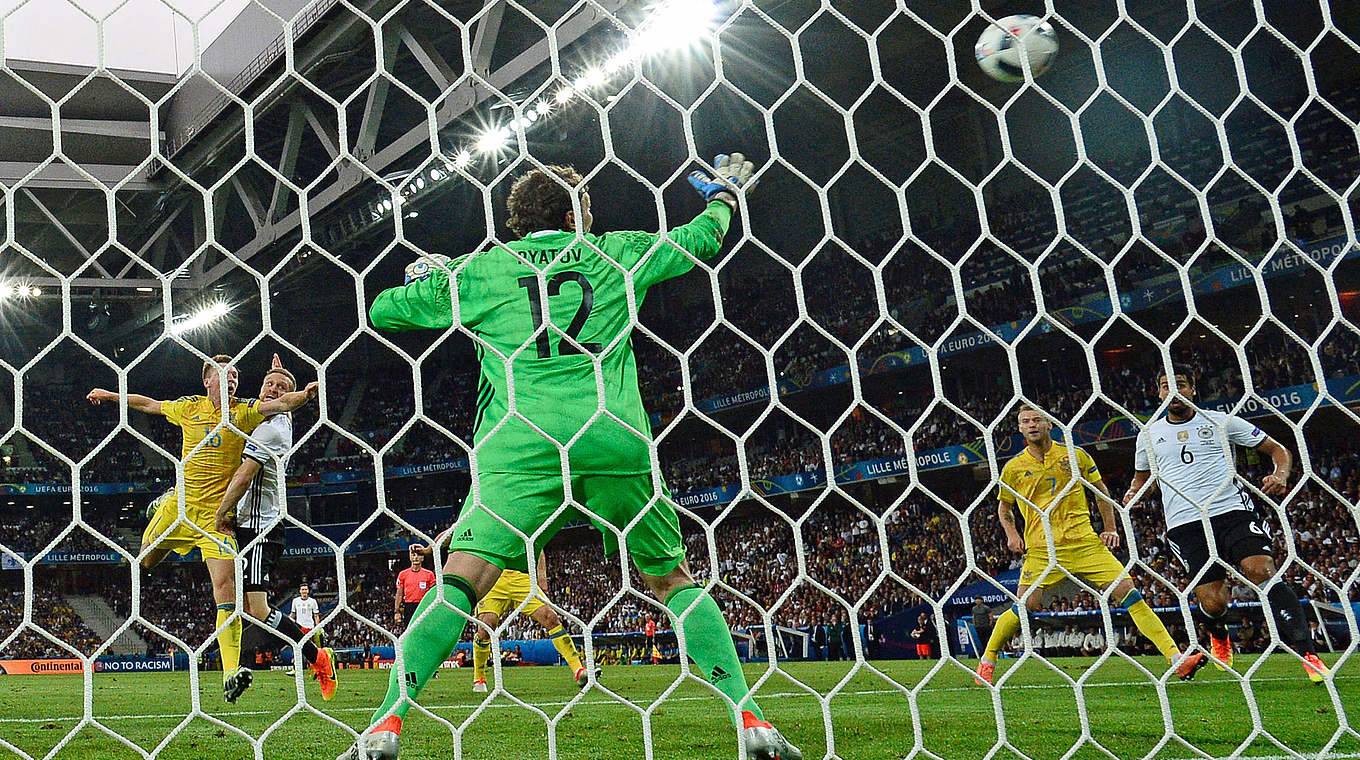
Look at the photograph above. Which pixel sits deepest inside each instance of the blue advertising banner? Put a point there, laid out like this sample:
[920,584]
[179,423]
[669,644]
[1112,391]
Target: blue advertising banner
[1009,579]
[54,489]
[705,497]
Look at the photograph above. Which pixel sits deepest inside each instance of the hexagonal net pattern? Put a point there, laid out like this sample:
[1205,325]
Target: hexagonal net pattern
[899,396]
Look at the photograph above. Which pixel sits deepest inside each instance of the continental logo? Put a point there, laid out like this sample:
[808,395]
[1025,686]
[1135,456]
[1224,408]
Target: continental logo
[41,667]
[57,666]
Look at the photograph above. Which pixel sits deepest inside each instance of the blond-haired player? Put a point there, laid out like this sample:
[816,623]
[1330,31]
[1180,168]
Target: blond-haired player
[1040,481]
[211,451]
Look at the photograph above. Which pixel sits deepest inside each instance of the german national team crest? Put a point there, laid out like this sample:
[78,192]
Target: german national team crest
[1205,433]
[1183,436]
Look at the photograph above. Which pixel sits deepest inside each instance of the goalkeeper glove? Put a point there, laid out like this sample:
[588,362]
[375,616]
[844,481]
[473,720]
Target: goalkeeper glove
[423,266]
[733,175]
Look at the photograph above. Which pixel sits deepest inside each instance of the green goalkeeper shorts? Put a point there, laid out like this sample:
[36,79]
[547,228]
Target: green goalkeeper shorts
[648,526]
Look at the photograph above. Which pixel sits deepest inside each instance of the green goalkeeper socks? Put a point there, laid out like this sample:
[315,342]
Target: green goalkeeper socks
[426,644]
[708,641]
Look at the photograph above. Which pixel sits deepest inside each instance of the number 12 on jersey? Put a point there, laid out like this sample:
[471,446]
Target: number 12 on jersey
[578,321]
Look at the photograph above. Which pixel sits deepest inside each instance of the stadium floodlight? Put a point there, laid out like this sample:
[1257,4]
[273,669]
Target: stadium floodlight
[462,159]
[543,108]
[493,140]
[564,95]
[201,318]
[674,25]
[8,290]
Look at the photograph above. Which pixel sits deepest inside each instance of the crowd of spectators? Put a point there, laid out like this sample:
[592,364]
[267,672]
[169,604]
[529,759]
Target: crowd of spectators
[1275,360]
[51,612]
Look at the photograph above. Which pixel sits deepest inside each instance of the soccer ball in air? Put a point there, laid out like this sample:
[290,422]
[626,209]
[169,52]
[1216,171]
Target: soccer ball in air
[1001,46]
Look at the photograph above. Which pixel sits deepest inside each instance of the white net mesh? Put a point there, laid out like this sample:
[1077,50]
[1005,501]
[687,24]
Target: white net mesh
[832,399]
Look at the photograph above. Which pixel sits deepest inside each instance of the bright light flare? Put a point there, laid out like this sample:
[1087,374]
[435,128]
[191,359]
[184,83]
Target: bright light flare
[493,140]
[564,95]
[675,24]
[201,318]
[8,290]
[462,159]
[594,77]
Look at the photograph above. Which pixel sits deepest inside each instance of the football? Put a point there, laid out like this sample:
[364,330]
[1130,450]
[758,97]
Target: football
[1002,47]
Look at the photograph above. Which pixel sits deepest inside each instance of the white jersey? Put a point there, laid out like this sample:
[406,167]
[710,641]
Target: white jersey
[1195,465]
[263,502]
[305,611]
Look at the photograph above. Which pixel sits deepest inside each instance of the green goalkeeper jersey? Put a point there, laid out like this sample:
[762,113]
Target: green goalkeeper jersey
[598,419]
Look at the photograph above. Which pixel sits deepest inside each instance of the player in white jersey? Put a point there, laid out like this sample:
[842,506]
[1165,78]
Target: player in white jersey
[305,609]
[1211,521]
[252,509]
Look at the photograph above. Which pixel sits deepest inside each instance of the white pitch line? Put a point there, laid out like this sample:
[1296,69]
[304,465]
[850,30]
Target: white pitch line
[614,702]
[1304,755]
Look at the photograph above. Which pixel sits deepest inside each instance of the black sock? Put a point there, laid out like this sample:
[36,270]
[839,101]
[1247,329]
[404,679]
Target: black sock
[289,628]
[1289,617]
[267,636]
[1214,624]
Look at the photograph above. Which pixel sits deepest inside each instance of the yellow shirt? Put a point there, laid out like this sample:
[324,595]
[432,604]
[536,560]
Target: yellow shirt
[208,471]
[1039,484]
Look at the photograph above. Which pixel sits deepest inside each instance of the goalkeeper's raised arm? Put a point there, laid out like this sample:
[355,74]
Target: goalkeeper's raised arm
[425,300]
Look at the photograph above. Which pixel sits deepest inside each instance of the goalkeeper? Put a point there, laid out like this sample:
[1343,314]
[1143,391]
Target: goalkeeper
[543,311]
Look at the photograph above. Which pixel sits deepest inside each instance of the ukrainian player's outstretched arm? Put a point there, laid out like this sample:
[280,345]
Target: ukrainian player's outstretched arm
[424,304]
[225,519]
[143,404]
[702,237]
[1277,482]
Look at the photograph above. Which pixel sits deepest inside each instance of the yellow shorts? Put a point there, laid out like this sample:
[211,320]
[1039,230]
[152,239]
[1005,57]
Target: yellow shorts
[195,531]
[505,596]
[1090,561]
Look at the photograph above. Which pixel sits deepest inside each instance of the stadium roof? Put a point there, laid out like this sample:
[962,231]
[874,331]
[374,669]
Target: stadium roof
[138,35]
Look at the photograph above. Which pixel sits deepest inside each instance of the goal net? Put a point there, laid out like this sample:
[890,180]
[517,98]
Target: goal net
[926,255]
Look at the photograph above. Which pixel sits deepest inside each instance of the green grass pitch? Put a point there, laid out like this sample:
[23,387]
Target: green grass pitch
[869,716]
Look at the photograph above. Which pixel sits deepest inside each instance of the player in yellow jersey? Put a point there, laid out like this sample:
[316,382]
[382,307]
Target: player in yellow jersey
[211,452]
[509,591]
[1039,480]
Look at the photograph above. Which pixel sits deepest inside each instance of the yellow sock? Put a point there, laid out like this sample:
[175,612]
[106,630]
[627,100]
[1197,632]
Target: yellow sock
[566,647]
[1006,627]
[229,641]
[1149,624]
[481,654]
